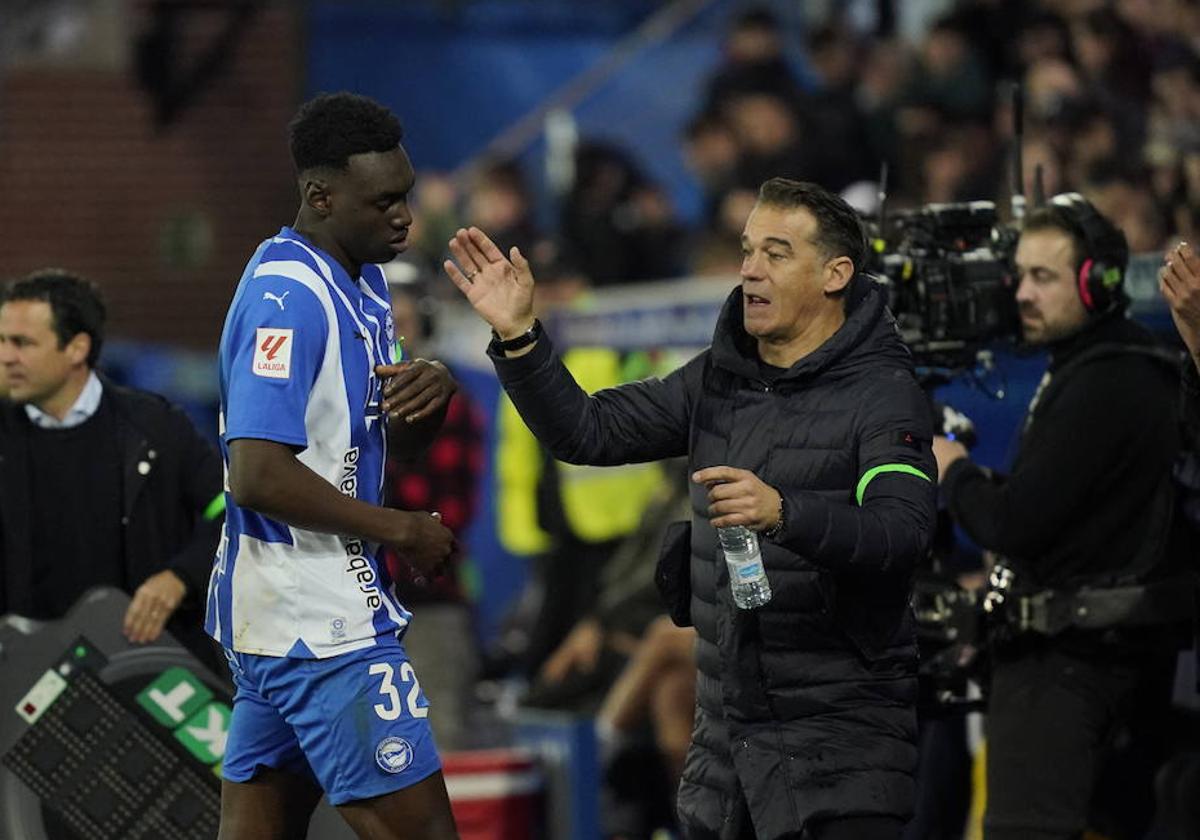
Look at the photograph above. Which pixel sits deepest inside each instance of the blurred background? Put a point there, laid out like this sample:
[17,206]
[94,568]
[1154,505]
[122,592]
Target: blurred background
[620,145]
[143,143]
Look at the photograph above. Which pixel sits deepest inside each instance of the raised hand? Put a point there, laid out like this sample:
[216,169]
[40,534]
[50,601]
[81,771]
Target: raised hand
[499,289]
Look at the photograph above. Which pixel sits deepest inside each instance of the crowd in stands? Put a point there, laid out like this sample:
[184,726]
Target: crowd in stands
[1112,109]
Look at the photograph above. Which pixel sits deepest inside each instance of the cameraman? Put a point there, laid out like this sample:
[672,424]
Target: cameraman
[1085,509]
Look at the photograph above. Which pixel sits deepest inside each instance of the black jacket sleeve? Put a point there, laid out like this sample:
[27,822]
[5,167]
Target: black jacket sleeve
[1189,404]
[639,421]
[201,494]
[889,524]
[1106,418]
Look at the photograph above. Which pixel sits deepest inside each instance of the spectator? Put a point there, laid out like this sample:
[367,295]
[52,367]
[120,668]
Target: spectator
[499,198]
[617,227]
[833,123]
[710,150]
[770,140]
[583,667]
[754,62]
[950,76]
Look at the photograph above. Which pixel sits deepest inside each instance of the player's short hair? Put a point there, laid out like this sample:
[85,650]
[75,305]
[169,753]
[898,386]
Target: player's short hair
[331,127]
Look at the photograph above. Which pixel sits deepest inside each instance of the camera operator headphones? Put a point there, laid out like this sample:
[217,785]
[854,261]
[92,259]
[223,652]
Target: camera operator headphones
[1100,274]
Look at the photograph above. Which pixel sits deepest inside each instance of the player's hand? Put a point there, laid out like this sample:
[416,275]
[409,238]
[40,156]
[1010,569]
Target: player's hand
[739,497]
[153,605]
[500,290]
[946,452]
[1179,282]
[424,542]
[579,652]
[416,389]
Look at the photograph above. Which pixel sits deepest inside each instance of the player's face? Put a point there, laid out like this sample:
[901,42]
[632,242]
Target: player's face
[1047,298]
[370,206]
[33,365]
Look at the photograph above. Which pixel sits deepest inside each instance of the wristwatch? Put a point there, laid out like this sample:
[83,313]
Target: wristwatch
[499,346]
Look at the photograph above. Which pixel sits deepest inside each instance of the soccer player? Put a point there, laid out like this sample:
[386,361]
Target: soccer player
[300,599]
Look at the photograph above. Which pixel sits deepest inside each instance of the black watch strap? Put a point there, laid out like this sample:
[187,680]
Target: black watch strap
[505,345]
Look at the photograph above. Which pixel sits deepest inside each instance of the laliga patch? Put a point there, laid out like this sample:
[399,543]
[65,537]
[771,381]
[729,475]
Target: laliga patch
[394,755]
[273,353]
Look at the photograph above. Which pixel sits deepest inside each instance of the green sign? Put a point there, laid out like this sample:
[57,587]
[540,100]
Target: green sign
[174,697]
[205,732]
[181,702]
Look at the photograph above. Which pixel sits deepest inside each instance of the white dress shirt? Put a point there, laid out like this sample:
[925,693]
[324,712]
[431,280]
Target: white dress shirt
[85,406]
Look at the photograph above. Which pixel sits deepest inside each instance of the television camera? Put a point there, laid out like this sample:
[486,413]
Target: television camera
[948,271]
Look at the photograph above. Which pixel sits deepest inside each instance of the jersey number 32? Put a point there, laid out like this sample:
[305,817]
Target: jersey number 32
[391,709]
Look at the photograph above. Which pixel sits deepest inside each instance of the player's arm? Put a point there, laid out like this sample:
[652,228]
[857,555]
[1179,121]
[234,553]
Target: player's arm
[272,357]
[265,476]
[416,395]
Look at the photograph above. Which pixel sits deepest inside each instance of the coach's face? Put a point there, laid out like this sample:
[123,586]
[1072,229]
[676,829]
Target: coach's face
[34,366]
[368,208]
[787,280]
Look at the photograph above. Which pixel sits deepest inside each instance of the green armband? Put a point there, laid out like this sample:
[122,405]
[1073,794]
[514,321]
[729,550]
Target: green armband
[215,508]
[870,475]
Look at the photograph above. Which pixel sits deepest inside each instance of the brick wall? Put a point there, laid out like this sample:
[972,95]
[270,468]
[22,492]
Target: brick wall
[163,219]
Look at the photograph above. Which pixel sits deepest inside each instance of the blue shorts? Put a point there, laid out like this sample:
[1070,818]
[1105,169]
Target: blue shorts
[357,724]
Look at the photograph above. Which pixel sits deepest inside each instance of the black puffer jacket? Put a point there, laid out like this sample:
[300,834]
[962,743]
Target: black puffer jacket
[806,705]
[1189,405]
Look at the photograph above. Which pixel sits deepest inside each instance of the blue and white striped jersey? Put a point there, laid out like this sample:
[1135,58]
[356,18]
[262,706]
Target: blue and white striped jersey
[297,358]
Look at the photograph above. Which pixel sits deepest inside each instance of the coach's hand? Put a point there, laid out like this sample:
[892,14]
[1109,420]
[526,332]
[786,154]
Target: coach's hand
[153,605]
[415,390]
[423,541]
[739,497]
[500,289]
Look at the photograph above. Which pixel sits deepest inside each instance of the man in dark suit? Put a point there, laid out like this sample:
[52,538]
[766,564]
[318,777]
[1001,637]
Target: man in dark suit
[99,484]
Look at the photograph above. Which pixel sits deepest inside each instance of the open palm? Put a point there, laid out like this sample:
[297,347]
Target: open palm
[499,289]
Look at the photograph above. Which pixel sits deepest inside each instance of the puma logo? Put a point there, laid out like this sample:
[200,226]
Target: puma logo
[277,298]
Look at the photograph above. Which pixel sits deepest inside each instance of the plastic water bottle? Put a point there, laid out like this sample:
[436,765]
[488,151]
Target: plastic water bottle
[747,577]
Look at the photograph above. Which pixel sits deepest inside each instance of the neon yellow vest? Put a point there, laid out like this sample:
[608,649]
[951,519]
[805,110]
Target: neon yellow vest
[599,503]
